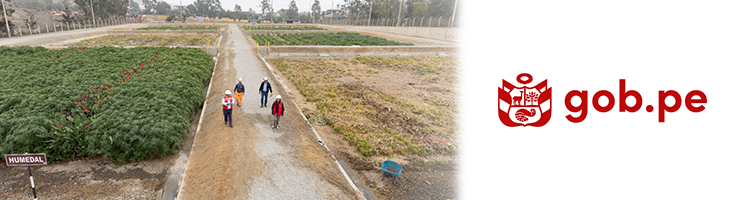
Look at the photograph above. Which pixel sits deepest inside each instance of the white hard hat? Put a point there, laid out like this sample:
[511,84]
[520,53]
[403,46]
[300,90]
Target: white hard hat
[239,79]
[265,78]
[278,96]
[228,92]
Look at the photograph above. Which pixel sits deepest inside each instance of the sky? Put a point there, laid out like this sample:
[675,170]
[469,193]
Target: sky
[303,5]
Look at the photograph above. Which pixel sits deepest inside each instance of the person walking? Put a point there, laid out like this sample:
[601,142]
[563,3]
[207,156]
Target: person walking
[227,103]
[265,88]
[239,90]
[277,109]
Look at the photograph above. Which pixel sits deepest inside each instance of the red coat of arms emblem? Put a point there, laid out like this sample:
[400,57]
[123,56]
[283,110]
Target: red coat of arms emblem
[524,106]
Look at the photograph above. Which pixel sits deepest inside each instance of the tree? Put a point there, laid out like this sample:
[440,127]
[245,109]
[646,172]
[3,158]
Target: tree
[162,7]
[31,19]
[210,8]
[291,13]
[356,8]
[104,8]
[250,10]
[134,7]
[316,11]
[8,12]
[67,16]
[441,8]
[190,10]
[265,7]
[149,6]
[416,9]
[237,8]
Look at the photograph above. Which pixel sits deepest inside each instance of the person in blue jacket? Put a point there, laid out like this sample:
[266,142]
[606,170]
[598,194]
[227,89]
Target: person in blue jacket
[265,88]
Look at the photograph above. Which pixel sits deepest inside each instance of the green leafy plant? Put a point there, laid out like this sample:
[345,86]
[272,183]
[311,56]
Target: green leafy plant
[124,104]
[332,39]
[178,28]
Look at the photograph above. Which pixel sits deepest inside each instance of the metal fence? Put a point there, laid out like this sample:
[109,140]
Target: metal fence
[20,29]
[402,22]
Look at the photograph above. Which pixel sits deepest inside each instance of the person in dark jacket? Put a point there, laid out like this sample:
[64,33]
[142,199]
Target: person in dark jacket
[264,89]
[277,109]
[239,90]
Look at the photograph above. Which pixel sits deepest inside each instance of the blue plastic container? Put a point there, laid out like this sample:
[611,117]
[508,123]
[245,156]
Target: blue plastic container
[391,168]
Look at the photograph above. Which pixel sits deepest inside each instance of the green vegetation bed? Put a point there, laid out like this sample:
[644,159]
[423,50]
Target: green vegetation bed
[123,104]
[332,39]
[189,28]
[282,28]
[149,40]
[381,105]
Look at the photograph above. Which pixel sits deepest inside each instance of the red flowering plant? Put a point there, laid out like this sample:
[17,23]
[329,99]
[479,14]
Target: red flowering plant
[79,105]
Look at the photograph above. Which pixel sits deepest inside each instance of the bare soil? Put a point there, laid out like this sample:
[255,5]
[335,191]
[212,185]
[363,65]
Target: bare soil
[416,82]
[149,40]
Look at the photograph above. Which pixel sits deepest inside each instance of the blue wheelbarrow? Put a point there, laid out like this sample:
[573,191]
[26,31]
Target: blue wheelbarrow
[391,169]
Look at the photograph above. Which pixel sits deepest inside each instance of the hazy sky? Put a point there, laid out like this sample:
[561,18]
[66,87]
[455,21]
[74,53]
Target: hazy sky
[303,5]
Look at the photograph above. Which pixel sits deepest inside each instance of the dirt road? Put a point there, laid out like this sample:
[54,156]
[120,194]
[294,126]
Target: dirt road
[251,160]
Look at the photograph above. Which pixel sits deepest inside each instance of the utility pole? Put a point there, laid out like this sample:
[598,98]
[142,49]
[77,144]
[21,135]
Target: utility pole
[92,11]
[5,16]
[454,13]
[369,16]
[332,11]
[398,19]
[272,14]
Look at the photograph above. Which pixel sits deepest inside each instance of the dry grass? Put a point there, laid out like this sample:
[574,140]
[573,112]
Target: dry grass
[149,40]
[382,105]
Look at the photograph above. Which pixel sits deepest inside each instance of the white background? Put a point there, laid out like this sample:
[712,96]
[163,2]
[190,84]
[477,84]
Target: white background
[590,45]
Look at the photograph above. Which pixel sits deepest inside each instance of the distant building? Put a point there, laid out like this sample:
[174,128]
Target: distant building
[291,21]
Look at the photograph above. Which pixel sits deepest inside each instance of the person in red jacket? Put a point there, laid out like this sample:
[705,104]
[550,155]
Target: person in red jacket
[227,103]
[277,109]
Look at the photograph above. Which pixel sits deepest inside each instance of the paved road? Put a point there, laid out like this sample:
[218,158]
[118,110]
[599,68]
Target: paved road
[251,160]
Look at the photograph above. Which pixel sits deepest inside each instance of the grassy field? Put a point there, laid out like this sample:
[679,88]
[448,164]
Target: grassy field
[332,39]
[124,104]
[190,28]
[149,40]
[381,105]
[279,28]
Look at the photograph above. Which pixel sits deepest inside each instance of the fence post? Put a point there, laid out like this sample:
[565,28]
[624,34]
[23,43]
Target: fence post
[421,22]
[54,27]
[68,25]
[438,25]
[30,32]
[45,26]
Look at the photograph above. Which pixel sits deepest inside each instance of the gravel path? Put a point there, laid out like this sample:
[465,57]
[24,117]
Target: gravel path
[251,160]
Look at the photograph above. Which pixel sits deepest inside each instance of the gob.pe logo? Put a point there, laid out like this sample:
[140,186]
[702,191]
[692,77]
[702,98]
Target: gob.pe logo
[524,105]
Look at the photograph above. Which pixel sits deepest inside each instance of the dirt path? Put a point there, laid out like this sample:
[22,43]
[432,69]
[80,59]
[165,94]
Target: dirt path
[251,160]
